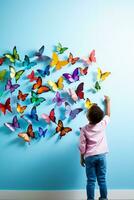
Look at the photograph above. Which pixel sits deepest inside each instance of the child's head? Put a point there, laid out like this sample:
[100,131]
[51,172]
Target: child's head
[95,114]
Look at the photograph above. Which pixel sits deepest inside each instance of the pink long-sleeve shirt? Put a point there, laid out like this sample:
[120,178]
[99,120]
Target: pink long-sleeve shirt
[93,138]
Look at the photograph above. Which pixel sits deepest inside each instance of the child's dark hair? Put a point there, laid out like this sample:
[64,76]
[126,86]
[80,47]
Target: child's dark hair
[95,114]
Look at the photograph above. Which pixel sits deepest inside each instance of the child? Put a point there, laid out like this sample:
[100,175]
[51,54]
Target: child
[93,149]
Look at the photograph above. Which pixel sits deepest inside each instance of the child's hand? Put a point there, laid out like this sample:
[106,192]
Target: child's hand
[82,161]
[106,98]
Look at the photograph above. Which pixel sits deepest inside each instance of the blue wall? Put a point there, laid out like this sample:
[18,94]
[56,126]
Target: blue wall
[107,27]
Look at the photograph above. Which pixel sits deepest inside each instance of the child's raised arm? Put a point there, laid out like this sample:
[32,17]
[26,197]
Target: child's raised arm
[107,102]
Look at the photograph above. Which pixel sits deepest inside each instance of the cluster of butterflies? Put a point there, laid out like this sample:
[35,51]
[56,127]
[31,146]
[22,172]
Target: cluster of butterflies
[38,88]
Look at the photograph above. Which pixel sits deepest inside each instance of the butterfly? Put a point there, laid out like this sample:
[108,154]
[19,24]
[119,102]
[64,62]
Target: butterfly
[2,74]
[42,132]
[102,76]
[45,72]
[97,86]
[91,58]
[57,63]
[72,77]
[20,109]
[40,88]
[61,129]
[14,125]
[35,99]
[78,93]
[32,77]
[88,103]
[50,117]
[6,106]
[32,116]
[14,74]
[60,49]
[72,60]
[10,86]
[56,85]
[22,96]
[83,71]
[26,63]
[12,57]
[57,99]
[2,59]
[26,136]
[40,52]
[72,113]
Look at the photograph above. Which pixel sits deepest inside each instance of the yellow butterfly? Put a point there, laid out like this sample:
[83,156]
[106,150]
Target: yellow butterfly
[88,103]
[57,63]
[102,76]
[56,85]
[20,109]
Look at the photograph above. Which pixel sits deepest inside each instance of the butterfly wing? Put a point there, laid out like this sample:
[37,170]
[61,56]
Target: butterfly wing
[68,109]
[83,71]
[2,74]
[53,85]
[21,109]
[54,59]
[61,64]
[34,113]
[75,74]
[22,96]
[40,52]
[92,57]
[68,77]
[38,83]
[88,103]
[52,116]
[32,77]
[18,74]
[61,129]
[75,112]
[73,94]
[72,60]
[15,122]
[12,71]
[6,106]
[30,132]
[105,75]
[97,86]
[42,132]
[60,83]
[79,91]
[15,54]
[46,118]
[24,136]
[2,60]
[43,89]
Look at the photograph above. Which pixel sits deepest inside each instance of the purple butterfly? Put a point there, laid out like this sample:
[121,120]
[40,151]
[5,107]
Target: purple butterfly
[72,113]
[72,77]
[42,132]
[57,99]
[11,87]
[14,125]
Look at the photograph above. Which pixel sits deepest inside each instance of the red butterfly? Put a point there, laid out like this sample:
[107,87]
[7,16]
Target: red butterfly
[91,58]
[83,71]
[40,88]
[6,106]
[32,77]
[2,60]
[72,60]
[61,129]
[21,96]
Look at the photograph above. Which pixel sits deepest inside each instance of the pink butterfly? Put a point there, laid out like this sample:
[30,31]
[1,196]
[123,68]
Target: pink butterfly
[91,58]
[78,93]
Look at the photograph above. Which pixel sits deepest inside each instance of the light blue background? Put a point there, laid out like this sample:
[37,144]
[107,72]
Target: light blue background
[107,27]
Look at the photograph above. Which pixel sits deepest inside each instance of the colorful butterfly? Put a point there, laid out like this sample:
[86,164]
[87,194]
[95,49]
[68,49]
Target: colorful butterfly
[12,57]
[40,52]
[10,86]
[14,125]
[2,59]
[83,71]
[42,132]
[56,85]
[26,63]
[20,109]
[3,74]
[58,100]
[88,103]
[50,117]
[60,49]
[91,58]
[22,96]
[45,72]
[6,106]
[32,77]
[102,76]
[72,77]
[72,60]
[61,129]
[35,99]
[32,116]
[72,113]
[57,63]
[40,88]
[26,136]
[14,74]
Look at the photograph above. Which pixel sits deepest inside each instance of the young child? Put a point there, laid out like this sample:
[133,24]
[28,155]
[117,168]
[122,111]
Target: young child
[93,148]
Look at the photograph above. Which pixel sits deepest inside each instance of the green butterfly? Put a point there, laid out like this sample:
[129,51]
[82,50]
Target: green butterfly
[14,74]
[12,57]
[97,86]
[2,74]
[60,49]
[35,99]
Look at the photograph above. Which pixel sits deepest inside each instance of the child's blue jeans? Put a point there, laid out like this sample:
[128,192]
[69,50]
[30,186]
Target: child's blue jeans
[96,169]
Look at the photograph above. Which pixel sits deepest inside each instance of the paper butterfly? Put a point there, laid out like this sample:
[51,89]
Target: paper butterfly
[2,59]
[14,74]
[32,116]
[14,125]
[91,58]
[22,96]
[72,113]
[40,52]
[72,60]
[57,63]
[45,72]
[72,77]
[61,129]
[102,76]
[12,57]
[35,99]
[32,77]
[83,71]
[3,74]
[40,88]
[10,86]
[26,63]
[20,109]
[26,136]
[50,117]
[58,100]
[56,85]
[88,103]
[78,93]
[60,49]
[6,106]
[42,132]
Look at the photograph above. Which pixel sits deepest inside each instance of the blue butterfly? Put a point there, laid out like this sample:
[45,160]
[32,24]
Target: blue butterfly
[45,72]
[42,132]
[32,116]
[26,63]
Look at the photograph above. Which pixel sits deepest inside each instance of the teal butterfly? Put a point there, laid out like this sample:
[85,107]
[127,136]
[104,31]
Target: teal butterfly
[35,99]
[60,49]
[14,74]
[12,57]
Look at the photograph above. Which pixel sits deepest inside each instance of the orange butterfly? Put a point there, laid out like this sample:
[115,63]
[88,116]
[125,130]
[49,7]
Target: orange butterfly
[21,109]
[6,106]
[22,96]
[28,134]
[40,88]
[61,129]
[72,60]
